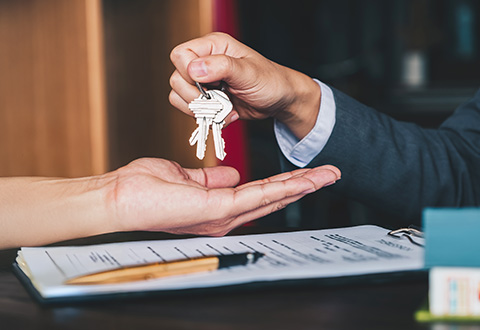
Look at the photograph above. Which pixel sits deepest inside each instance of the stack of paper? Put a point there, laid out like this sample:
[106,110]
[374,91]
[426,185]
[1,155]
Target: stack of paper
[329,253]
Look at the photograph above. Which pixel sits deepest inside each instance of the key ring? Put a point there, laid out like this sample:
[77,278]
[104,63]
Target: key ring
[205,94]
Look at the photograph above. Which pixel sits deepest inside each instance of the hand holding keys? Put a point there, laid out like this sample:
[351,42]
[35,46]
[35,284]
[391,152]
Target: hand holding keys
[210,109]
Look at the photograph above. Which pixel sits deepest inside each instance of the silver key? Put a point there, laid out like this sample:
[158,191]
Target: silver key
[205,110]
[218,141]
[202,137]
[194,137]
[227,105]
[219,121]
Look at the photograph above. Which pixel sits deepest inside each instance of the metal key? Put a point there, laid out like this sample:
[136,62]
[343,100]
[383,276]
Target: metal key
[219,121]
[194,137]
[218,141]
[202,110]
[205,110]
[225,101]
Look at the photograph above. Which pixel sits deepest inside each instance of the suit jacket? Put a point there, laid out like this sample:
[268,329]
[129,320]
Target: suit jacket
[400,167]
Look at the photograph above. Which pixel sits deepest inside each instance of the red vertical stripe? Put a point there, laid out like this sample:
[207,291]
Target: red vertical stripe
[225,19]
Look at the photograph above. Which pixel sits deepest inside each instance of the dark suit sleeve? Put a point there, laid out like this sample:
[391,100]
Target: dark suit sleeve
[400,167]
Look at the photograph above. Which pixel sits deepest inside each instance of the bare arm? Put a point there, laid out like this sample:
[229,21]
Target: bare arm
[148,194]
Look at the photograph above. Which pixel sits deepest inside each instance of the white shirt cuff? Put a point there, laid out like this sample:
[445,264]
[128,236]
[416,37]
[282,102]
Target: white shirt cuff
[300,153]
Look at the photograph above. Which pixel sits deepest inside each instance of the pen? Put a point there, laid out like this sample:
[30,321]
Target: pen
[169,268]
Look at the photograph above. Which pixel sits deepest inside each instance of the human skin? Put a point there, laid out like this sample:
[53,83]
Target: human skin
[153,194]
[258,87]
[148,194]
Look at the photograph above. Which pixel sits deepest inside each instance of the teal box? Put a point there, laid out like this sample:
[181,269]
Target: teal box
[452,237]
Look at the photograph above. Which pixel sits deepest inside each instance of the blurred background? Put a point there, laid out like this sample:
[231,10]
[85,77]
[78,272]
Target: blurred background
[84,83]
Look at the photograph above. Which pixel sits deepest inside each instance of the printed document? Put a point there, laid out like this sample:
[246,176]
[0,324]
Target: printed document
[326,253]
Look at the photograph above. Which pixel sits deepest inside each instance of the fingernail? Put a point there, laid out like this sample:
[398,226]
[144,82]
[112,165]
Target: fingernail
[198,68]
[329,184]
[235,117]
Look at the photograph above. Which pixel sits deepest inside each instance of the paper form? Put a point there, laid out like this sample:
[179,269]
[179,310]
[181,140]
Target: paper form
[296,255]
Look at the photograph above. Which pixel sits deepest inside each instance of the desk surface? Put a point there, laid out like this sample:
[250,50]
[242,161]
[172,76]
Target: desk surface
[360,306]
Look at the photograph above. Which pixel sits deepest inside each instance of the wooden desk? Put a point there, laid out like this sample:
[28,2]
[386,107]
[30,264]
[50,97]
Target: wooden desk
[362,306]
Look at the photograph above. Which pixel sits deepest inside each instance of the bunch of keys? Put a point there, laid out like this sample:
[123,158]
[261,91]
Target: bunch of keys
[210,109]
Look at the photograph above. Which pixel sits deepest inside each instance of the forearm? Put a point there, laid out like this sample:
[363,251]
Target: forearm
[37,211]
[401,167]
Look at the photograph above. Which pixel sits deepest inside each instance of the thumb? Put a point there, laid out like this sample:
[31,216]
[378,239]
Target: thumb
[216,68]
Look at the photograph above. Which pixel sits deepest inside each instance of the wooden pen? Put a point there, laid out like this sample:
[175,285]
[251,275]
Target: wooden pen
[164,269]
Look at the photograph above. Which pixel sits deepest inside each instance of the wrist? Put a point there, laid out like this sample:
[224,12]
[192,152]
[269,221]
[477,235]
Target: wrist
[80,206]
[89,200]
[303,106]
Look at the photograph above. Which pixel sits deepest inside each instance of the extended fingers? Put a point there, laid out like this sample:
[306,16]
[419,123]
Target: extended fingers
[321,173]
[231,207]
[278,192]
[278,177]
[261,211]
[250,197]
[322,176]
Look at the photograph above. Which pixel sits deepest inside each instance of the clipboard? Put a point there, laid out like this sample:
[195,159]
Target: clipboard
[402,260]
